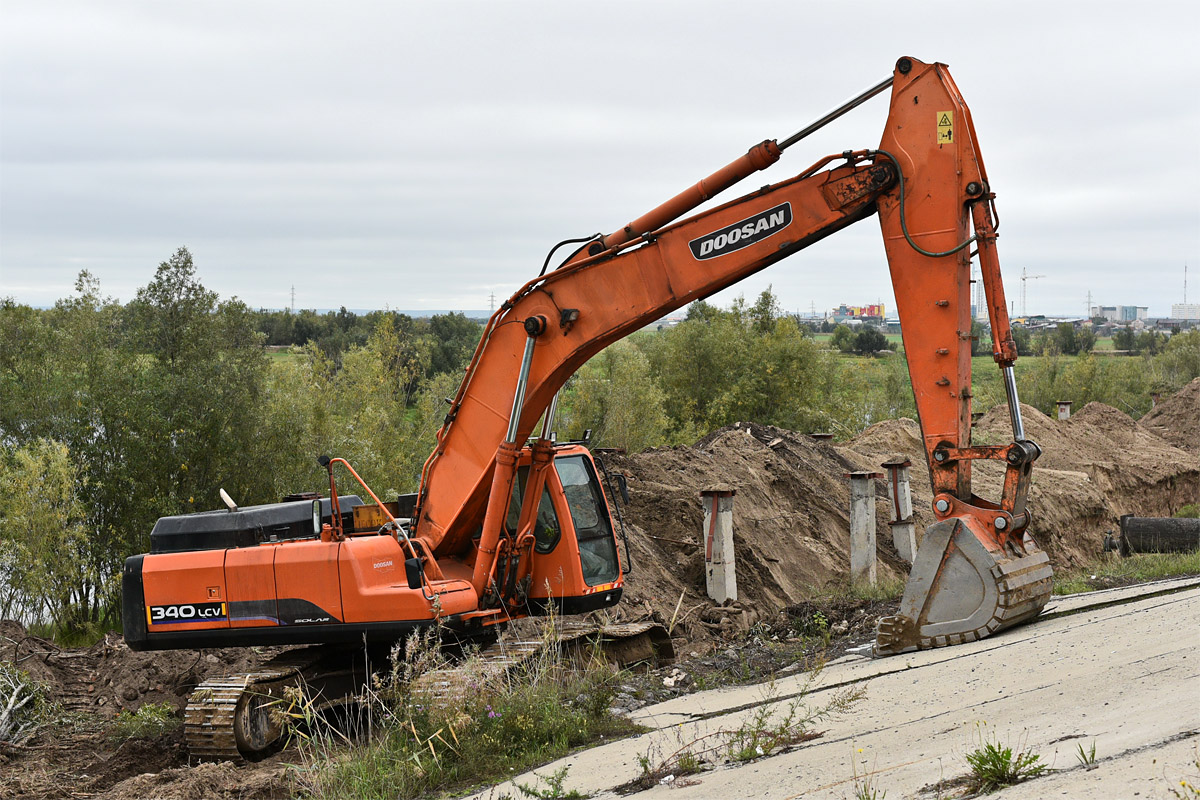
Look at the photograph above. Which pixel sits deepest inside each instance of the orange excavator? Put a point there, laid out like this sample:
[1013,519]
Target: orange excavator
[505,525]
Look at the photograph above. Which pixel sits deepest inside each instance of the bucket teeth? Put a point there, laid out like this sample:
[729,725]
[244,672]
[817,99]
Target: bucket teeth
[959,591]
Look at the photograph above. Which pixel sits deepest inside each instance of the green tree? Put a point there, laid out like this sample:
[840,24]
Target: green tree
[47,557]
[615,395]
[869,340]
[1065,339]
[1023,340]
[1179,362]
[1085,339]
[454,340]
[203,373]
[1124,339]
[842,339]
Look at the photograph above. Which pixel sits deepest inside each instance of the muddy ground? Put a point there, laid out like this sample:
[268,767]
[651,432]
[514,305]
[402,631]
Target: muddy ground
[791,539]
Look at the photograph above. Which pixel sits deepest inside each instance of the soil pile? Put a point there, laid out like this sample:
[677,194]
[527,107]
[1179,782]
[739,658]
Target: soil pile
[790,517]
[1177,419]
[108,677]
[791,509]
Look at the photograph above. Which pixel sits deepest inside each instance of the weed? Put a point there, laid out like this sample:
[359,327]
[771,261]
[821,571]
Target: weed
[815,625]
[1189,790]
[994,766]
[771,729]
[150,721]
[1087,757]
[1189,511]
[24,705]
[554,787]
[857,591]
[864,786]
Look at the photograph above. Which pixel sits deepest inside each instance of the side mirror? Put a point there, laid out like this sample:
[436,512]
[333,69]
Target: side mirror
[316,517]
[623,485]
[413,570]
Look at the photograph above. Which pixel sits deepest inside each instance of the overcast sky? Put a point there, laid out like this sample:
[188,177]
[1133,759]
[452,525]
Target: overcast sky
[426,155]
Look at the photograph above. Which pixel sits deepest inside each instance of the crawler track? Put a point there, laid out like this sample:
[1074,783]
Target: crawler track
[237,718]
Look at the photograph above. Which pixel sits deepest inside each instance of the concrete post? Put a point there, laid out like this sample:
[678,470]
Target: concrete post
[1064,409]
[719,568]
[862,527]
[904,528]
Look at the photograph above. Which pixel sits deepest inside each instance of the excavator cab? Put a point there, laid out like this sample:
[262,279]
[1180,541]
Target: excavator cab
[573,562]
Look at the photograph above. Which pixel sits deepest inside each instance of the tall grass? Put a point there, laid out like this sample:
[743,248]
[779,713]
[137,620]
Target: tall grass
[484,728]
[1116,571]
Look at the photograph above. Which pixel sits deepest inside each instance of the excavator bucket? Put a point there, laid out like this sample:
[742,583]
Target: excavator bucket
[959,591]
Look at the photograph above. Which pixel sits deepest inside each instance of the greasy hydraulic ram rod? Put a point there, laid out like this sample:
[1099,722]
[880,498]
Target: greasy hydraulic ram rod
[758,158]
[849,105]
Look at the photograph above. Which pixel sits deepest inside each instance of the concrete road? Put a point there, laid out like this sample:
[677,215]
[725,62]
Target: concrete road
[1119,668]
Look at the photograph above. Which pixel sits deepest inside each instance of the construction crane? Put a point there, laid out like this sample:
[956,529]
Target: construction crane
[1026,277]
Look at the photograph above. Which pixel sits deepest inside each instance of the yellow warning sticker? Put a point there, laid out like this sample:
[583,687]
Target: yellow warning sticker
[945,127]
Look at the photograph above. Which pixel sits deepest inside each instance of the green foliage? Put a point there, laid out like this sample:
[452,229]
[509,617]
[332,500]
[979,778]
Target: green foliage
[994,766]
[1189,511]
[869,340]
[49,567]
[554,787]
[1179,363]
[721,366]
[1086,757]
[149,721]
[843,339]
[1116,571]
[770,729]
[1119,382]
[616,396]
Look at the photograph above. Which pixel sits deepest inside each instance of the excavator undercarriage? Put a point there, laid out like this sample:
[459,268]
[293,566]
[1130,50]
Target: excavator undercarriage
[246,716]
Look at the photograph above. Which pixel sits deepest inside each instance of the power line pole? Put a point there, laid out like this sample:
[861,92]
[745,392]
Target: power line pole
[293,298]
[491,304]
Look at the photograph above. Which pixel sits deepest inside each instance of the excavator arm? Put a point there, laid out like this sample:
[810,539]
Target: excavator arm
[574,312]
[976,571]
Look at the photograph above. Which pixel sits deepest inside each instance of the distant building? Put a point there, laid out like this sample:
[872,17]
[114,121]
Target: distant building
[1185,311]
[1120,313]
[871,313]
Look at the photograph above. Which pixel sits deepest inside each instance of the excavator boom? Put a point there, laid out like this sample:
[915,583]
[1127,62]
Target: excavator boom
[928,185]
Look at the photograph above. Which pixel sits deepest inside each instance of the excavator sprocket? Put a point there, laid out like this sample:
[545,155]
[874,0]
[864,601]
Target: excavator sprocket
[959,591]
[241,717]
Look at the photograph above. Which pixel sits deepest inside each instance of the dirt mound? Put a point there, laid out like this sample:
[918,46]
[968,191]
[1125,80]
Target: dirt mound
[208,781]
[1177,419]
[791,518]
[791,522]
[108,677]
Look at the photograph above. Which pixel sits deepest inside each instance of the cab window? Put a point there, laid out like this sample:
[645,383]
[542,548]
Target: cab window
[593,529]
[546,529]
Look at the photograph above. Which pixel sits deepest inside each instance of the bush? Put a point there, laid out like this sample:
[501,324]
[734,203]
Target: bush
[150,721]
